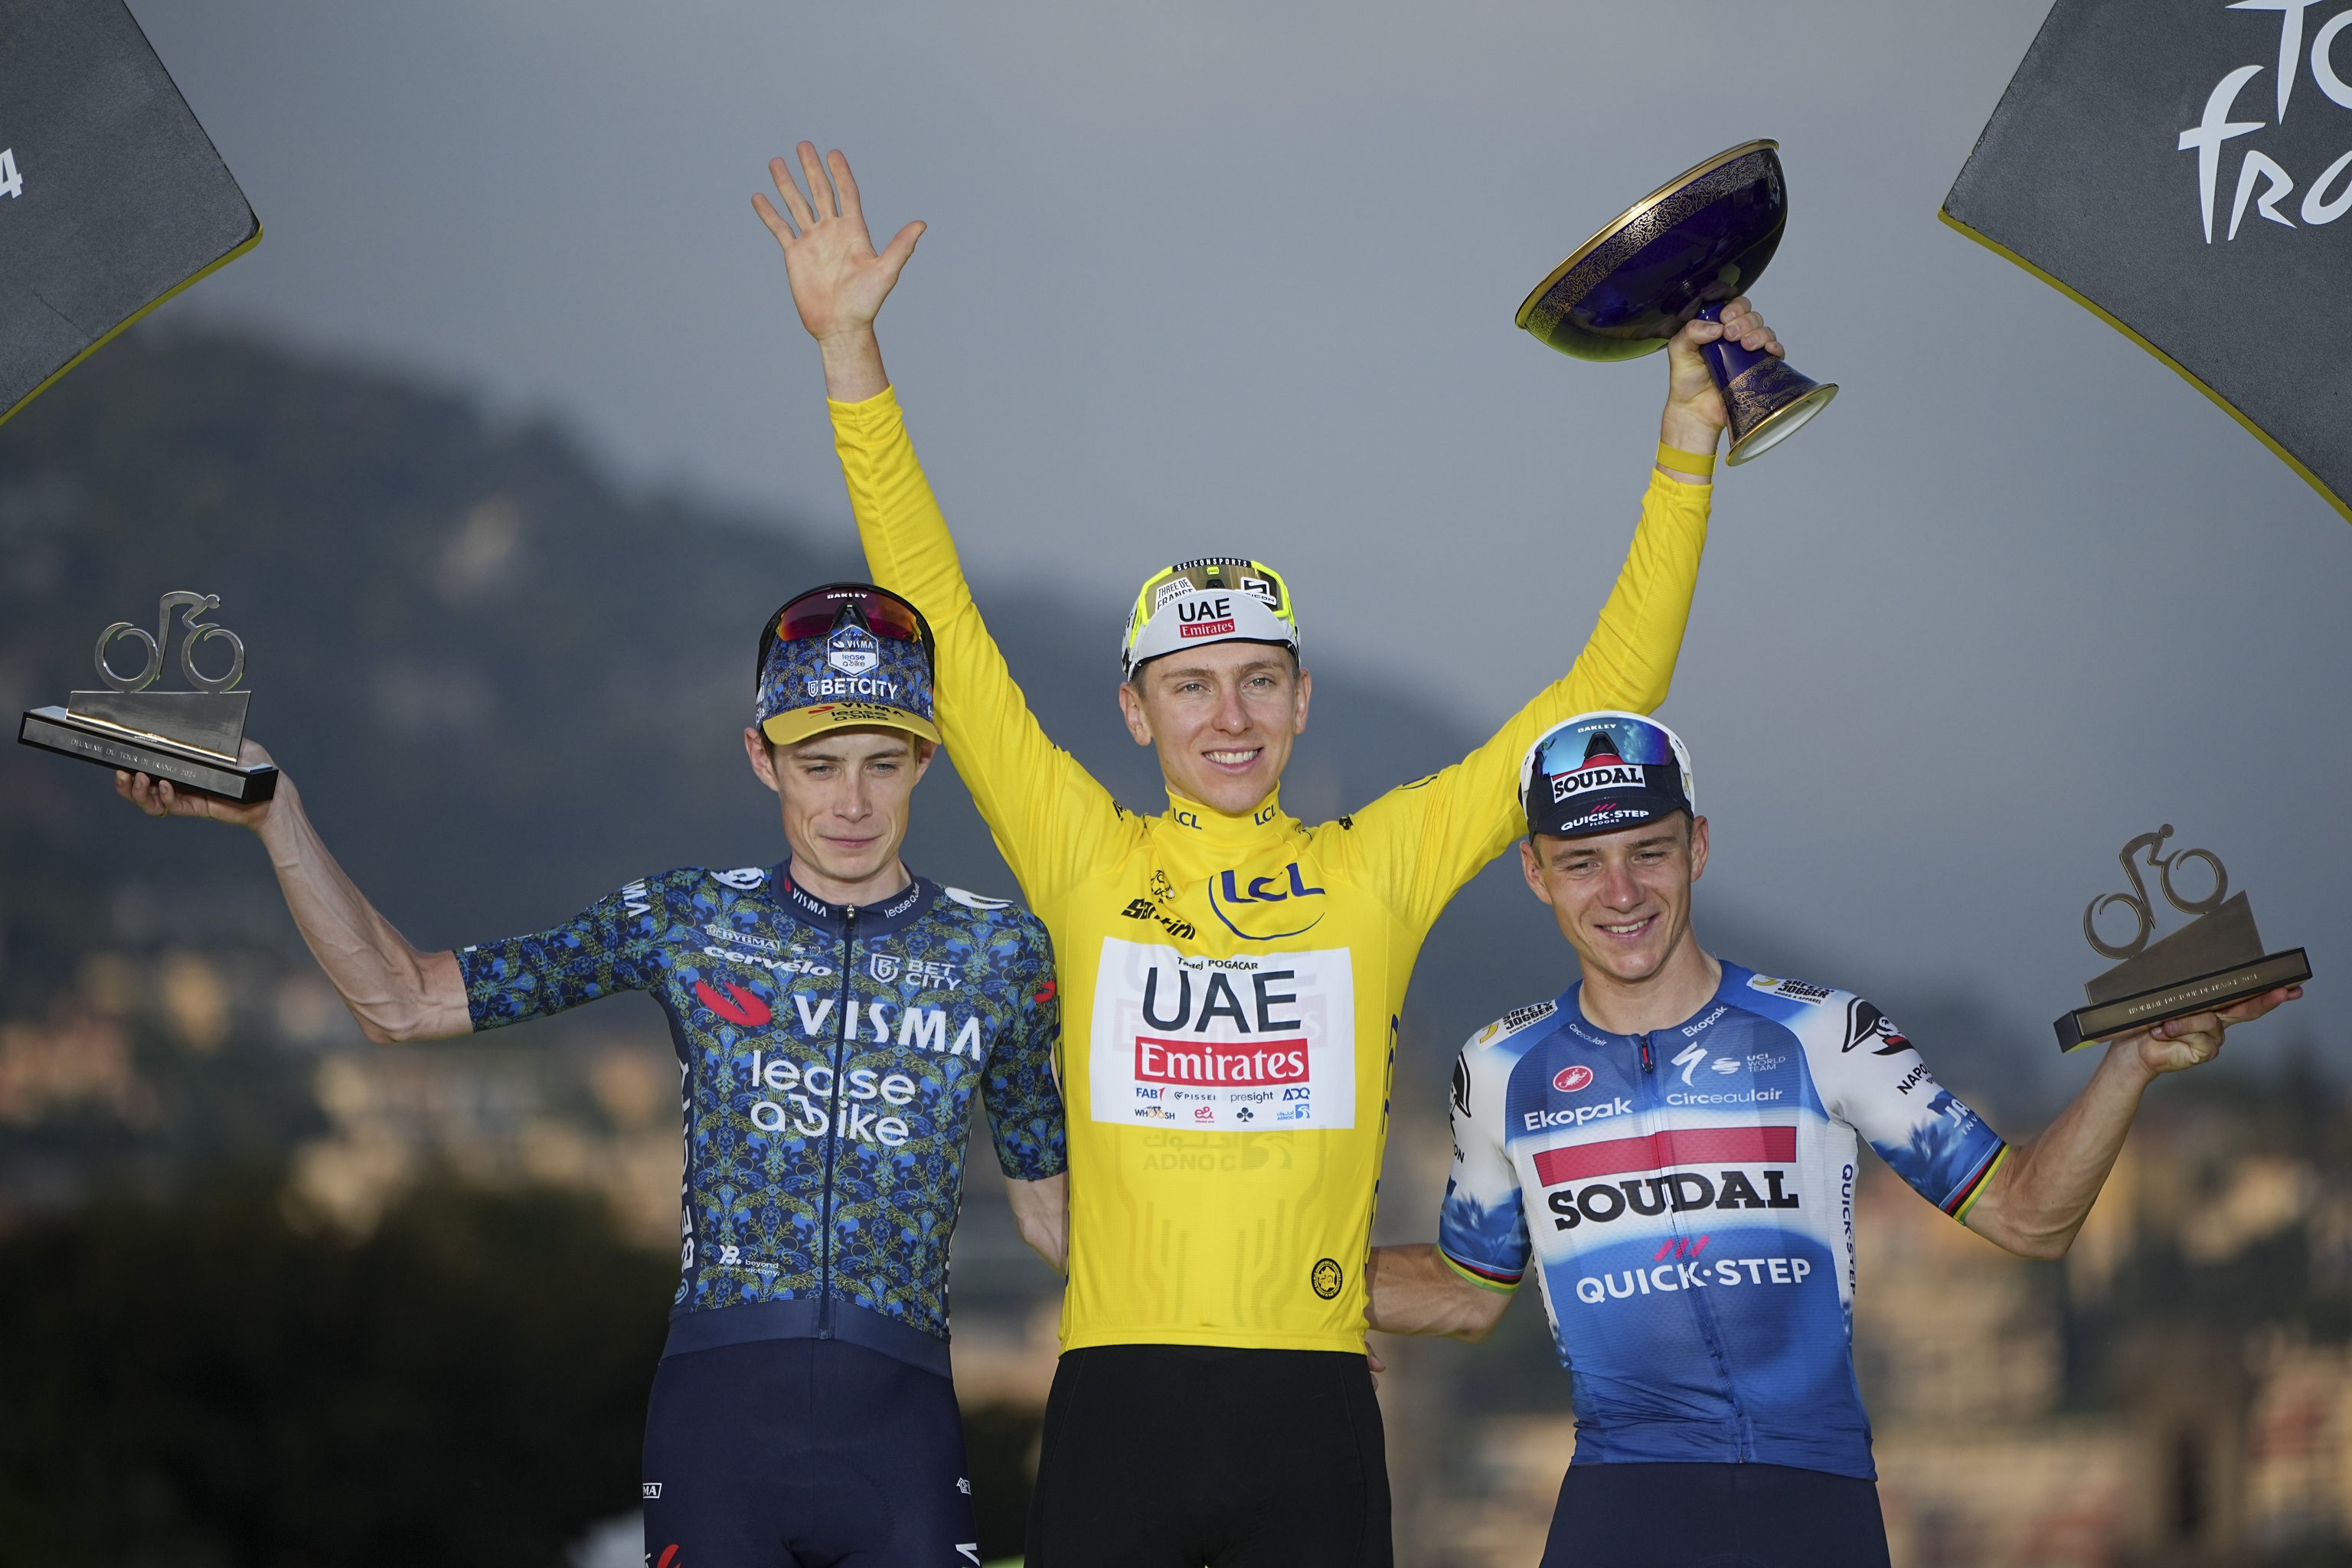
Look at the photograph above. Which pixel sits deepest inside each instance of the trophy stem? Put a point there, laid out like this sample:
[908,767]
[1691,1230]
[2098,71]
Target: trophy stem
[1768,401]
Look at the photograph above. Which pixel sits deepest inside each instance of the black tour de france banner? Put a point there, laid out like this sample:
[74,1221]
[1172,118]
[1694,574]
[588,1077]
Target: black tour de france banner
[111,197]
[2184,169]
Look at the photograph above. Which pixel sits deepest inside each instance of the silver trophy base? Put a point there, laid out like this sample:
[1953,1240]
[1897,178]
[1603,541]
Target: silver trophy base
[2200,994]
[112,746]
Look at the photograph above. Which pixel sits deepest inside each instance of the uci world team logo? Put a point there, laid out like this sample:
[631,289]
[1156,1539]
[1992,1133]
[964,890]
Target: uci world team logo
[853,650]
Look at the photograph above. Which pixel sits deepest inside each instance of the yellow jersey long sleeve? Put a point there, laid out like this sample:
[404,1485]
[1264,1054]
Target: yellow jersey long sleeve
[1230,985]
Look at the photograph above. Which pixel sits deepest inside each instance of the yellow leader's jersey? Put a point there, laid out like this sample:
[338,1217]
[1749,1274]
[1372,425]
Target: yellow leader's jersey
[1230,985]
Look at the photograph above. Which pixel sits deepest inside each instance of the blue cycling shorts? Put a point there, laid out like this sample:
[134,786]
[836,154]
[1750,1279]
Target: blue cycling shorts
[1714,1516]
[804,1454]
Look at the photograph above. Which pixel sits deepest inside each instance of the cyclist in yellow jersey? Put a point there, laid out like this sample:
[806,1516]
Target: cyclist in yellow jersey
[1231,978]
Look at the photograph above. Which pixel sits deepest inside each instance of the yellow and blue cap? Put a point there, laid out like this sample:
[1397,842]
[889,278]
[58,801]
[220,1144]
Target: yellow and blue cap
[845,655]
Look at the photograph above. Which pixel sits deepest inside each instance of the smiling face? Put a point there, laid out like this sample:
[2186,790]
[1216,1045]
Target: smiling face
[847,796]
[1222,716]
[1624,898]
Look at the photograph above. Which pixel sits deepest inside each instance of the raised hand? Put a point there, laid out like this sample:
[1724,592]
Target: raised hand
[2178,1043]
[1695,413]
[157,797]
[839,280]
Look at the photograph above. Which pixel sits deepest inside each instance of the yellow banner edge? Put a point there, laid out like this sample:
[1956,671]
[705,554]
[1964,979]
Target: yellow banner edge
[134,319]
[2343,510]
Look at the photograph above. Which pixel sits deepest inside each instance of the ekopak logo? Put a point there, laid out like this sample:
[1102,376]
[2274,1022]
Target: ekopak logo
[737,1006]
[1569,1080]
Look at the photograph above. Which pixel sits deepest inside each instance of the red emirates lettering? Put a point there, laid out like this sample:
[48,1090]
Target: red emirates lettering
[1205,629]
[1693,1146]
[1203,1061]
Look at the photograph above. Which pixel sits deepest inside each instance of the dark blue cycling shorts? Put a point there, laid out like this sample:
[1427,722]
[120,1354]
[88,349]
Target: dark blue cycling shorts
[1714,1516]
[804,1454]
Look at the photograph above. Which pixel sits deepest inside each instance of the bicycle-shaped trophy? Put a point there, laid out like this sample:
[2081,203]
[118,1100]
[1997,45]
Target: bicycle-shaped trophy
[188,737]
[2211,961]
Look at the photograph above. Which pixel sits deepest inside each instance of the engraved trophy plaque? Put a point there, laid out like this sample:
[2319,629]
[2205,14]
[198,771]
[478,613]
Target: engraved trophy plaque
[2211,961]
[188,737]
[1695,242]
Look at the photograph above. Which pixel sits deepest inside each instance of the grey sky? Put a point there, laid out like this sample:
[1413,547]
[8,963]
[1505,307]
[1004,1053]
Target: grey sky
[1241,277]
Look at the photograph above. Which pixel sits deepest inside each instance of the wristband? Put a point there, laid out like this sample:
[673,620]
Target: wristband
[1684,462]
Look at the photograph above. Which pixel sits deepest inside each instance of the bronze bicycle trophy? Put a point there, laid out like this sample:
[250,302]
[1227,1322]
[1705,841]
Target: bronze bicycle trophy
[2215,960]
[1681,252]
[188,737]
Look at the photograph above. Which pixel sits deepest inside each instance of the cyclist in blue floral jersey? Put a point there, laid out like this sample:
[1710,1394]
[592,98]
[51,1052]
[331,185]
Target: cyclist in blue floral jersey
[832,1016]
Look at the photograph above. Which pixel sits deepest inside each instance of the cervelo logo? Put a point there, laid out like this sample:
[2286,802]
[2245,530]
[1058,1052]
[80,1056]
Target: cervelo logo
[2215,128]
[1569,1080]
[1607,775]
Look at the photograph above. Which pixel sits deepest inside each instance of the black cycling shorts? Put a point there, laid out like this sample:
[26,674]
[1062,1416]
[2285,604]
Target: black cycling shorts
[797,1453]
[1714,1516]
[1178,1456]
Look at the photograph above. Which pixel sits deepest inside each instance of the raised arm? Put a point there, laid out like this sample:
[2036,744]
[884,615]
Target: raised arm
[2039,1198]
[1435,835]
[839,280]
[1052,821]
[395,991]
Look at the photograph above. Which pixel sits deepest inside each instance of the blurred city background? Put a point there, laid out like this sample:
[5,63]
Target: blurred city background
[500,446]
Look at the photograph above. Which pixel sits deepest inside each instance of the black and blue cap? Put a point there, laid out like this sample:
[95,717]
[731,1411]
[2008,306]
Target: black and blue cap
[1602,771]
[842,655]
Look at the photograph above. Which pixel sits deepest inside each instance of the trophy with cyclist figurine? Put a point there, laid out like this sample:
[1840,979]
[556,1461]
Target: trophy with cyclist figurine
[2216,959]
[191,737]
[1685,250]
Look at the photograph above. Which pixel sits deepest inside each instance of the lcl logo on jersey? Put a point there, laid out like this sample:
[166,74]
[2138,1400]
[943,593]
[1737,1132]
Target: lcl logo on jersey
[1230,902]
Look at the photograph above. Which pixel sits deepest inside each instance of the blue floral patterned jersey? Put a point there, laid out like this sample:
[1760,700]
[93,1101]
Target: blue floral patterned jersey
[828,1056]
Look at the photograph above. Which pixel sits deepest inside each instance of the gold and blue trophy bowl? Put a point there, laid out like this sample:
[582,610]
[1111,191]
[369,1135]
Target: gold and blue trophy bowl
[1679,253]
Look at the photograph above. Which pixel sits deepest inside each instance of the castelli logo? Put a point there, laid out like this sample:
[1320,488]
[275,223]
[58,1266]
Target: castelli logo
[1568,1080]
[740,1006]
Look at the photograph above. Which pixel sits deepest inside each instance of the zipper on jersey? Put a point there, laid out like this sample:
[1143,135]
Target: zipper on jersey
[832,1123]
[1702,1307]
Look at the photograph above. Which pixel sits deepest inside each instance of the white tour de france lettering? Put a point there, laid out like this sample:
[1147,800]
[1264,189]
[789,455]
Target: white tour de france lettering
[1260,1042]
[2256,168]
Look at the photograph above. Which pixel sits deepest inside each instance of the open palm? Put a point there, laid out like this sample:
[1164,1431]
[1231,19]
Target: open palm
[839,280]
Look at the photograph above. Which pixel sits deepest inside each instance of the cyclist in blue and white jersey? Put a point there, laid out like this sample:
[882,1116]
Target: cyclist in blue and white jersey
[1672,1145]
[832,1017]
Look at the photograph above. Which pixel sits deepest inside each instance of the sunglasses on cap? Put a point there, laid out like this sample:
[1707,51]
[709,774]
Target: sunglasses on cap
[819,610]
